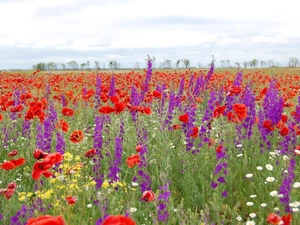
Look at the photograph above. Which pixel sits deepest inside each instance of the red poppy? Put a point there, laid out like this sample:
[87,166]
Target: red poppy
[176,127]
[104,97]
[240,110]
[147,110]
[55,157]
[286,219]
[284,131]
[219,111]
[133,160]
[36,110]
[114,99]
[288,104]
[67,112]
[90,153]
[39,154]
[1,117]
[138,148]
[16,108]
[13,153]
[71,199]
[273,219]
[119,106]
[106,109]
[219,149]
[263,92]
[77,136]
[8,165]
[234,90]
[47,174]
[156,94]
[195,132]
[280,124]
[8,193]
[148,196]
[42,167]
[63,125]
[118,220]
[46,220]
[268,125]
[232,117]
[284,118]
[18,162]
[184,118]
[12,185]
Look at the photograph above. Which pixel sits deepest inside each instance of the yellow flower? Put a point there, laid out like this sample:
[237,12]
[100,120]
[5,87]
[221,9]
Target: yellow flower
[68,156]
[46,195]
[22,196]
[52,180]
[74,187]
[62,187]
[105,184]
[56,203]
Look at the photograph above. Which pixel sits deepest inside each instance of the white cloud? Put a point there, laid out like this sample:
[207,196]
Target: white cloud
[62,30]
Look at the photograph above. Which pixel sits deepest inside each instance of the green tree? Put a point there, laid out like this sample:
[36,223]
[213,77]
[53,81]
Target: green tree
[254,63]
[73,65]
[40,66]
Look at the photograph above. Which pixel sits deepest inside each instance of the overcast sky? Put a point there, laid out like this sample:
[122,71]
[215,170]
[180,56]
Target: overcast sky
[35,31]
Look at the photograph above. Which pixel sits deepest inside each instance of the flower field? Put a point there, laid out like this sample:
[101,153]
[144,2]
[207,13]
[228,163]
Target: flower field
[165,147]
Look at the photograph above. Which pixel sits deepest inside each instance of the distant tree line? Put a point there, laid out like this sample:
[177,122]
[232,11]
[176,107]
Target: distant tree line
[254,63]
[165,64]
[74,65]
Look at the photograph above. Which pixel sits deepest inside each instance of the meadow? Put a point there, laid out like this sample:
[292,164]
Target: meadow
[186,147]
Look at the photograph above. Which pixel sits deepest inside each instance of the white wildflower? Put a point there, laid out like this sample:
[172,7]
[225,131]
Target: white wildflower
[269,167]
[249,175]
[295,209]
[132,209]
[296,185]
[259,168]
[274,193]
[270,179]
[263,205]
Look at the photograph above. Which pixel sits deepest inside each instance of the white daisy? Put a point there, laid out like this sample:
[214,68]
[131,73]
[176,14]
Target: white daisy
[269,167]
[270,179]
